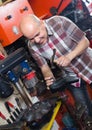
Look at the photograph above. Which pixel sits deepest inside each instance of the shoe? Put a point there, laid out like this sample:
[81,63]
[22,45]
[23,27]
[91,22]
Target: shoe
[61,83]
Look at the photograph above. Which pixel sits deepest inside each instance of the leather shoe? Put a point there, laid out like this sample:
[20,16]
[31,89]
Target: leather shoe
[61,83]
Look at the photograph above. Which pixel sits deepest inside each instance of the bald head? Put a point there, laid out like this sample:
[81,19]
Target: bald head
[29,24]
[34,29]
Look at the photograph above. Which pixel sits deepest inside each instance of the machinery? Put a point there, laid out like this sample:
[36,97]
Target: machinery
[35,114]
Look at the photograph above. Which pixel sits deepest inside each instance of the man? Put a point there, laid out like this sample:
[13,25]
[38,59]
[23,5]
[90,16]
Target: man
[71,47]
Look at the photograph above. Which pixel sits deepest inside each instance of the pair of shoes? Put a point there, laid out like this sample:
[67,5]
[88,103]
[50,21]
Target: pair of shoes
[61,83]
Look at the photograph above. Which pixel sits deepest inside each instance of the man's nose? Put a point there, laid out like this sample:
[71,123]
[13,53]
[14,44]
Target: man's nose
[37,39]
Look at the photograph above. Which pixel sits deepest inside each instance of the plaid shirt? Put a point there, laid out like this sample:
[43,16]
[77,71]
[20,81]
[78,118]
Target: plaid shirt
[63,35]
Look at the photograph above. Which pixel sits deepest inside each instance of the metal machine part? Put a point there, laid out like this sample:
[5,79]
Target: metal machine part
[40,113]
[18,57]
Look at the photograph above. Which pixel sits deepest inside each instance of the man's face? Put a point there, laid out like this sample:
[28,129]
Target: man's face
[38,34]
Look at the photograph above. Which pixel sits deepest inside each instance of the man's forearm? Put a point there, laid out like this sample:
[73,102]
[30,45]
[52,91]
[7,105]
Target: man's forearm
[48,75]
[46,71]
[80,48]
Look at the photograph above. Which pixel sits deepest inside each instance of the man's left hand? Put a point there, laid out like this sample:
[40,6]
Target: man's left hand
[63,61]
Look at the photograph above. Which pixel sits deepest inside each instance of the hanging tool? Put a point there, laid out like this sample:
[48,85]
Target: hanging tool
[10,112]
[14,107]
[18,103]
[4,118]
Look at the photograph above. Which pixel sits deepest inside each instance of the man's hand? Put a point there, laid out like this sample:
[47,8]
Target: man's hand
[63,61]
[78,50]
[49,80]
[48,75]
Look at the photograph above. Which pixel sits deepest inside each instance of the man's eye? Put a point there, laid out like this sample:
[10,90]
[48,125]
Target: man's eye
[38,34]
[35,36]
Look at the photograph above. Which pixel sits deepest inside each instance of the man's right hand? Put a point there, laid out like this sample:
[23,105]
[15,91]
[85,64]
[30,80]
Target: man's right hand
[49,81]
[48,75]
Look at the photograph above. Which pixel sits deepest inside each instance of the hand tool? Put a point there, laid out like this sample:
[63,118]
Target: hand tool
[10,112]
[18,103]
[4,118]
[14,107]
[52,58]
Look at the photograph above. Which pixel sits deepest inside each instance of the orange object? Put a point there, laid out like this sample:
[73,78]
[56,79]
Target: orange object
[10,16]
[42,7]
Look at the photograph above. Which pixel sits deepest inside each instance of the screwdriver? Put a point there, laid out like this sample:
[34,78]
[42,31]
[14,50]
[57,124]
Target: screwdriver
[4,118]
[14,107]
[18,103]
[8,109]
[52,59]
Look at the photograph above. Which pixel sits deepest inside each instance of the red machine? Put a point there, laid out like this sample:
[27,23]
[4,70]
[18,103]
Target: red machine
[10,15]
[42,8]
